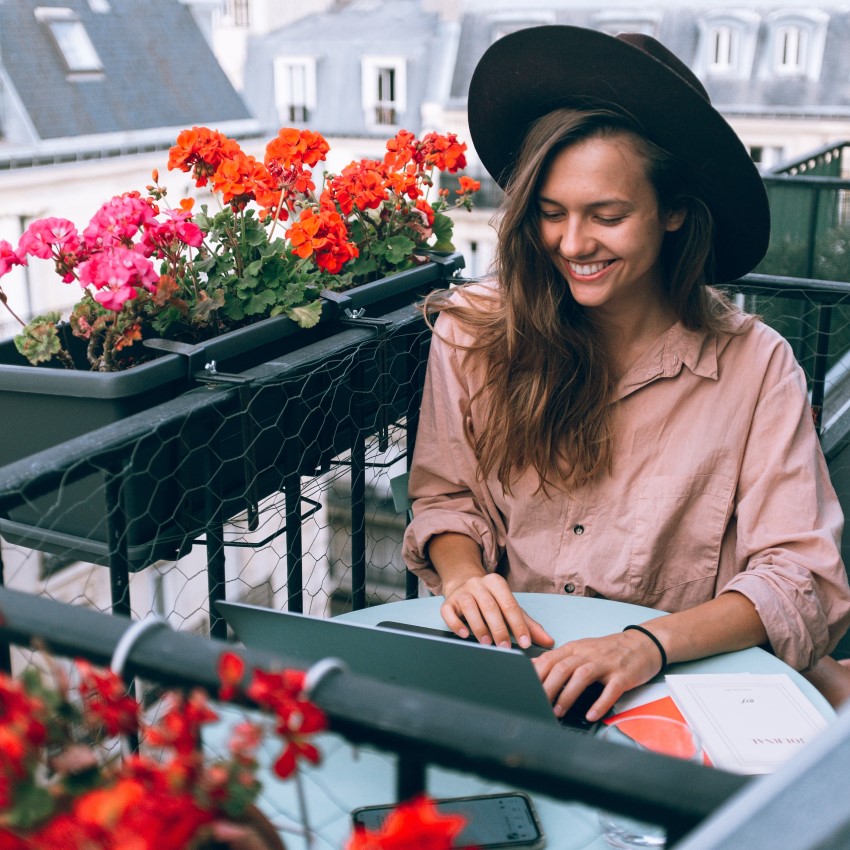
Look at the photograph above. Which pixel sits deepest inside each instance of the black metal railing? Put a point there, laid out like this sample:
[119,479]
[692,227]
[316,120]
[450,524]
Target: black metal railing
[810,216]
[418,726]
[299,450]
[291,459]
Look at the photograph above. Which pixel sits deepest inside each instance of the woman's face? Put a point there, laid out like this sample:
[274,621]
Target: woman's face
[600,221]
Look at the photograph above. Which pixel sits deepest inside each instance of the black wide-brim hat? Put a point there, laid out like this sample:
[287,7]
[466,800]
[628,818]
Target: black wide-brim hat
[528,73]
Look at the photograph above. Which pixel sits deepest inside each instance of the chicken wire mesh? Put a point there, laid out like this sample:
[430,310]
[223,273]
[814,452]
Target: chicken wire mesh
[274,486]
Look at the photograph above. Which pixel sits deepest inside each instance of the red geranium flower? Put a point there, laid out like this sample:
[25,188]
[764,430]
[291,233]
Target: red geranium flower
[415,825]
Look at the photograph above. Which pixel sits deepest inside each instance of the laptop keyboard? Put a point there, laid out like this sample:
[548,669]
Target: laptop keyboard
[573,721]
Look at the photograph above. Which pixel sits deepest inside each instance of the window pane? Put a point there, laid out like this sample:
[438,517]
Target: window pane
[76,47]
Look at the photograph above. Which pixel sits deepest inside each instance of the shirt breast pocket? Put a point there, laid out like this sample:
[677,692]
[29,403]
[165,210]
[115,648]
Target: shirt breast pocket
[677,533]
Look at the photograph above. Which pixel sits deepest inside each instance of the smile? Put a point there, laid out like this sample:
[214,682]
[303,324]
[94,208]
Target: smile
[588,269]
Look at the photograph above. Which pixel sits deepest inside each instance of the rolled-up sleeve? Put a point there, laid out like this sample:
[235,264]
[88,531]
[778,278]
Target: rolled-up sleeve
[789,524]
[447,493]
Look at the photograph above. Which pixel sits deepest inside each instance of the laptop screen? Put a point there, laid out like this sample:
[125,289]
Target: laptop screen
[485,675]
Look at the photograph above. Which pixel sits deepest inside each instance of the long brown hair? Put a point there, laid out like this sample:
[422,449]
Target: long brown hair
[549,378]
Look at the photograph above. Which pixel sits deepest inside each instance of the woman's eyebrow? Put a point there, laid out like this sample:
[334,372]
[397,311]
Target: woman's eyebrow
[612,202]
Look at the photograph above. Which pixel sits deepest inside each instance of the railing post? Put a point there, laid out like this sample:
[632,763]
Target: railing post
[116,530]
[358,485]
[216,562]
[821,362]
[417,360]
[294,553]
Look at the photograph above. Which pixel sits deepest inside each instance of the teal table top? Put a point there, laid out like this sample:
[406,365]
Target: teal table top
[350,777]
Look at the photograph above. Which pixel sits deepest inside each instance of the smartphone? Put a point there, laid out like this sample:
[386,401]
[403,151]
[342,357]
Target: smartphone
[493,821]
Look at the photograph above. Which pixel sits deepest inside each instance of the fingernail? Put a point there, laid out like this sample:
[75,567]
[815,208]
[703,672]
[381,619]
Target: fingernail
[592,715]
[486,640]
[558,710]
[464,633]
[525,642]
[505,644]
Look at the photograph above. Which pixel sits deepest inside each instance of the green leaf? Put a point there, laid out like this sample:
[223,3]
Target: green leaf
[443,228]
[399,248]
[33,804]
[253,269]
[307,315]
[362,266]
[258,303]
[39,341]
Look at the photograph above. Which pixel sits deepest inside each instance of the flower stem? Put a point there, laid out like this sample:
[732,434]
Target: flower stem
[302,808]
[276,218]
[5,301]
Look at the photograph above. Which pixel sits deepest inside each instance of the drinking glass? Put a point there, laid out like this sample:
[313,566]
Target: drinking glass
[657,734]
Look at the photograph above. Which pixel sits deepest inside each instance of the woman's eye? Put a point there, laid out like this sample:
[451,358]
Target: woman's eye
[550,215]
[610,221]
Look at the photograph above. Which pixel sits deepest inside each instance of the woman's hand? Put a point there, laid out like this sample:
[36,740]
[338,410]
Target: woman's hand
[620,662]
[485,606]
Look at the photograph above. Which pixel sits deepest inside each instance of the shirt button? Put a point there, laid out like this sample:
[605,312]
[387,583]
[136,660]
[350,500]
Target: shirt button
[569,587]
[578,529]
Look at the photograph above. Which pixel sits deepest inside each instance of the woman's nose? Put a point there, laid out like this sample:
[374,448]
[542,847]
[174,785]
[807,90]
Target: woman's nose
[576,240]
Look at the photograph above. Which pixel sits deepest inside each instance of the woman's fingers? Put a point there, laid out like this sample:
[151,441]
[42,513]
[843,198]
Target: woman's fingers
[485,607]
[618,661]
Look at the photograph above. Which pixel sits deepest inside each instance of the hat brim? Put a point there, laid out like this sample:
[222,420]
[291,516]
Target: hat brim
[531,72]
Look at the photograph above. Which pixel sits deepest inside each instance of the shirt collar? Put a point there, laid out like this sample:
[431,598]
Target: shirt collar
[675,348]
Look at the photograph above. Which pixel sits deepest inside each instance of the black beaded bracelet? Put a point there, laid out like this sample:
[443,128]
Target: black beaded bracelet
[657,642]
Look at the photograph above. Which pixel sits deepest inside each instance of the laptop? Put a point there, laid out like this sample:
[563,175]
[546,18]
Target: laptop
[483,675]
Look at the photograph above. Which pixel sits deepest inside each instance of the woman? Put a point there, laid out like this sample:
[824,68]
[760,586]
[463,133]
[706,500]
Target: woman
[599,420]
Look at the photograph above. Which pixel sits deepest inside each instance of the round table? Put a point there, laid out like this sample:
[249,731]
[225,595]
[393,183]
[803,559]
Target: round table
[350,777]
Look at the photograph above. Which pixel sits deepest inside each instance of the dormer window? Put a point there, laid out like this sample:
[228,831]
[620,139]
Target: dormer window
[790,50]
[295,88]
[236,13]
[71,39]
[617,22]
[384,90]
[724,45]
[795,44]
[727,44]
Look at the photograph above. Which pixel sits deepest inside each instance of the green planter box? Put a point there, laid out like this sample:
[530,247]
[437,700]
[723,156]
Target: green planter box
[173,482]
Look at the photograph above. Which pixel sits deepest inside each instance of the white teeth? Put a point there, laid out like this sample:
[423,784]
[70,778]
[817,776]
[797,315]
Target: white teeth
[593,268]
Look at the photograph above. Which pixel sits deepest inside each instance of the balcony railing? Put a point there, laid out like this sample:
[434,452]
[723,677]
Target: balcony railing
[273,487]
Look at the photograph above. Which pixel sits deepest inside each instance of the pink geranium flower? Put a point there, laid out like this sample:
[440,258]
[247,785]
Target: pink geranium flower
[49,238]
[177,230]
[117,275]
[9,258]
[118,221]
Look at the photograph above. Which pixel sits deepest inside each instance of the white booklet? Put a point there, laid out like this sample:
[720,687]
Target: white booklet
[748,723]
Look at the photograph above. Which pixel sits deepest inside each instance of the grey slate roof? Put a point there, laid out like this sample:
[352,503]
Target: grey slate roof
[339,38]
[438,50]
[679,31]
[158,70]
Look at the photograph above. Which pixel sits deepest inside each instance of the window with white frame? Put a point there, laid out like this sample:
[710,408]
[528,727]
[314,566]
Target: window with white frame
[790,49]
[727,44]
[295,88]
[384,81]
[236,13]
[723,48]
[71,39]
[796,39]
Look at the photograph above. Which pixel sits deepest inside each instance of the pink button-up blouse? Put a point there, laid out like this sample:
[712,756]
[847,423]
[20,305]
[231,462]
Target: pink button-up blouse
[718,484]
